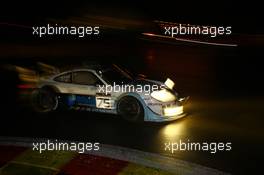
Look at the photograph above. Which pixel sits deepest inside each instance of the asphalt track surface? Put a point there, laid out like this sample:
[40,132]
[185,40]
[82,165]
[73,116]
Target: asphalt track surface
[208,121]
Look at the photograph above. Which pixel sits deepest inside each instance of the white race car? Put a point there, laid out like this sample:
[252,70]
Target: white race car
[109,90]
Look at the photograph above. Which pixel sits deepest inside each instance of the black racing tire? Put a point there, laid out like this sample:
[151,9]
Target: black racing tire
[130,109]
[45,100]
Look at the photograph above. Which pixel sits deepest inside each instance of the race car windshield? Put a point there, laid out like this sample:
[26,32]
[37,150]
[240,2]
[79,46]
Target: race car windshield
[115,75]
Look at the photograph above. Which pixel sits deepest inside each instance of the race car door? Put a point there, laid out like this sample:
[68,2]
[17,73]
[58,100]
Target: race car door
[84,87]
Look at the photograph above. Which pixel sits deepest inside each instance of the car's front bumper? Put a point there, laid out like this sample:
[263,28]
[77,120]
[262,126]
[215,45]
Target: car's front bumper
[164,119]
[173,114]
[168,112]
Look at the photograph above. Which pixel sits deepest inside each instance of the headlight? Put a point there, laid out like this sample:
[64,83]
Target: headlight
[169,83]
[163,95]
[173,111]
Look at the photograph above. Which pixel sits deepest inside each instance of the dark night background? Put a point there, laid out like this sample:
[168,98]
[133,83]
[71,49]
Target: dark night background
[235,70]
[202,71]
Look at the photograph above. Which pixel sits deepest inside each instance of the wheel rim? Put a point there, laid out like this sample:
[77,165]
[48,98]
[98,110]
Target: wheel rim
[47,100]
[129,108]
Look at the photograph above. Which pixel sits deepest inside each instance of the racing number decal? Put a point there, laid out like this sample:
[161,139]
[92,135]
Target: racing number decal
[104,102]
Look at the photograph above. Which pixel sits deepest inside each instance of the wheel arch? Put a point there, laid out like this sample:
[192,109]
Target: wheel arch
[137,97]
[51,87]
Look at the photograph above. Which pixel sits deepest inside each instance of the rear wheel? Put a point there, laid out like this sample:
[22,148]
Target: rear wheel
[130,109]
[45,100]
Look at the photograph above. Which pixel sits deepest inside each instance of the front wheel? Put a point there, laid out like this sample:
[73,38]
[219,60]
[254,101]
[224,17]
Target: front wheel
[130,109]
[44,100]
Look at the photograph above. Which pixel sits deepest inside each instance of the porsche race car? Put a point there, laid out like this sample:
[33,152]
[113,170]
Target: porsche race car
[109,90]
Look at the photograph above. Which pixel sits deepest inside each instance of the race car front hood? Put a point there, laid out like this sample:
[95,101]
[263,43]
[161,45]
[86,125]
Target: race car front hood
[147,82]
[164,91]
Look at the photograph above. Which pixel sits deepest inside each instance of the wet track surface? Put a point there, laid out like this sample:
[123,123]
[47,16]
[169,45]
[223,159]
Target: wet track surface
[208,121]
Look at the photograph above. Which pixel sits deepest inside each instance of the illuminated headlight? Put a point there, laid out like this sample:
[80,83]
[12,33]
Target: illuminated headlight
[169,83]
[173,111]
[163,95]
